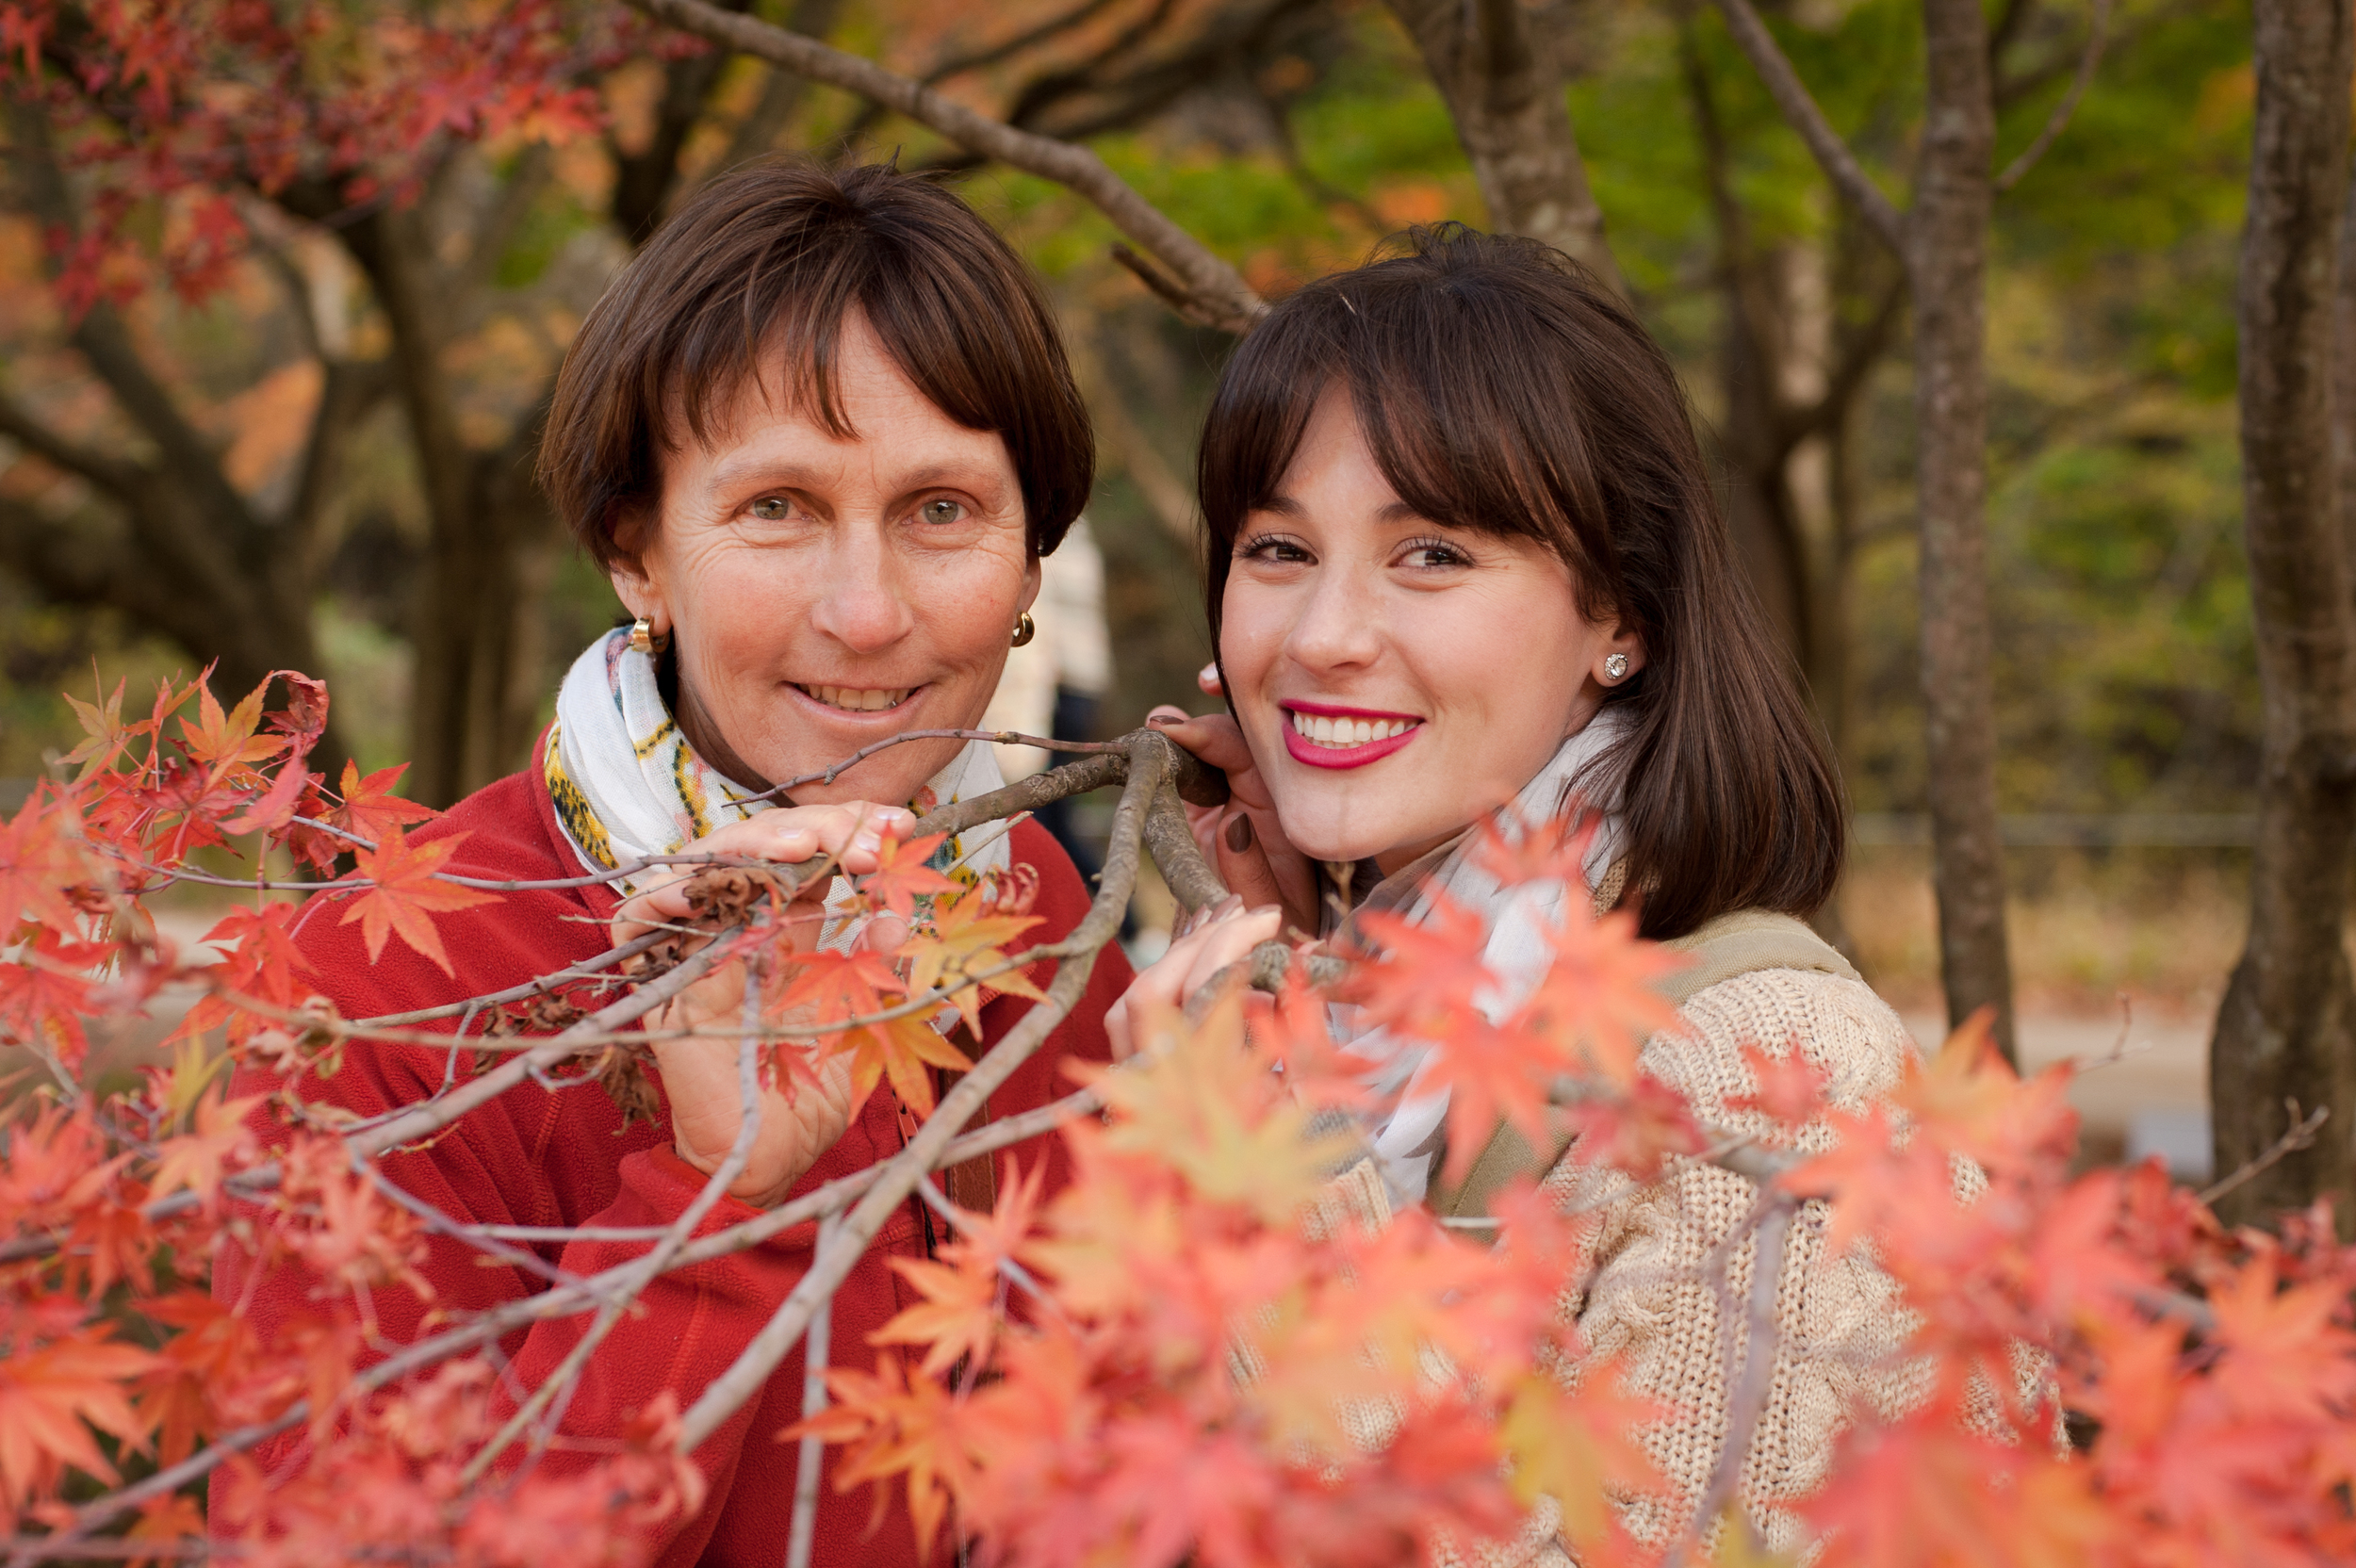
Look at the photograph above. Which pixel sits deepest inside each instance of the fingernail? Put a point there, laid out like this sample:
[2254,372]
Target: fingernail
[1239,833]
[1159,718]
[1208,672]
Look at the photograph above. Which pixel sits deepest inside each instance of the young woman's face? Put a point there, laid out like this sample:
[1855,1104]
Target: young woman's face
[1395,679]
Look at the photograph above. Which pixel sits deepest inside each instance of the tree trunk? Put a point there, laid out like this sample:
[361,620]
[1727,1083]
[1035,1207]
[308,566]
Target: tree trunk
[1947,260]
[1505,91]
[2284,1028]
[477,600]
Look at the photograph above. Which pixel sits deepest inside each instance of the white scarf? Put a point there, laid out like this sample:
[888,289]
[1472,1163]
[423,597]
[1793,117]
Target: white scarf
[627,785]
[1517,951]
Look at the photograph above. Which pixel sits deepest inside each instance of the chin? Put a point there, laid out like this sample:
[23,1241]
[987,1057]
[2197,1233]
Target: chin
[1346,846]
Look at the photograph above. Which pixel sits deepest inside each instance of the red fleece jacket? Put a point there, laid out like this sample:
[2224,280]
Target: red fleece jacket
[532,1157]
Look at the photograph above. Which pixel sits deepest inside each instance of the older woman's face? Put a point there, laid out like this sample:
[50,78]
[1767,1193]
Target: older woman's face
[1396,678]
[824,594]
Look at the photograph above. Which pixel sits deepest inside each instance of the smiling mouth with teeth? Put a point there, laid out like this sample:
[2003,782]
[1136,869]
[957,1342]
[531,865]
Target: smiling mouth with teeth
[1340,734]
[855,699]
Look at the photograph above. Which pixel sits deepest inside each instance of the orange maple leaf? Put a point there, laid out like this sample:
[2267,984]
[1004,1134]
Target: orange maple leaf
[370,807]
[219,740]
[959,1314]
[199,1160]
[408,893]
[966,937]
[898,1050]
[51,1396]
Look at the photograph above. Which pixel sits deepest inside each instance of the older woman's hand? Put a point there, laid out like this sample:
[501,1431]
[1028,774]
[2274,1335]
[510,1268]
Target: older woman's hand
[1243,839]
[699,1076]
[1222,935]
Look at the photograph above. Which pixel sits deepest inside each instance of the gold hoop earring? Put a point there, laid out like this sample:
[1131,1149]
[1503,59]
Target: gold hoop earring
[645,639]
[1024,629]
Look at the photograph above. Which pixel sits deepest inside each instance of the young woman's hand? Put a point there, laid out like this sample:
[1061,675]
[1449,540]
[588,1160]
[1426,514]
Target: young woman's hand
[1242,840]
[1218,936]
[699,1076]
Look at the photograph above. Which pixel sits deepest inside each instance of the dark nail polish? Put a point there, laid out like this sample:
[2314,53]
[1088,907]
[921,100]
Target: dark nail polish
[1159,718]
[1239,834]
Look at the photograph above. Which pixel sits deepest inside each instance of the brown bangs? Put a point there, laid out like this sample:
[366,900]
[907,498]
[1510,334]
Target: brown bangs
[763,265]
[1501,391]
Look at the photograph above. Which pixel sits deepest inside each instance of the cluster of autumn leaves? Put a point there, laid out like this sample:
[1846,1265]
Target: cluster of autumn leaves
[1216,1344]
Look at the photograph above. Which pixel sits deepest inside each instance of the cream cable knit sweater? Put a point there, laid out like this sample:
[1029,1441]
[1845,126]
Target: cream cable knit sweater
[1650,1302]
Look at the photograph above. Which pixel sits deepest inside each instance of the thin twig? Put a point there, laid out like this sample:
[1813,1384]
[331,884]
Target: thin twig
[2098,28]
[559,1382]
[811,1459]
[2298,1135]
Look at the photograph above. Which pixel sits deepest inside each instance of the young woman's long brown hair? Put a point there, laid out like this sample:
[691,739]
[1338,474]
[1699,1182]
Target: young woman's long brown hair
[1502,391]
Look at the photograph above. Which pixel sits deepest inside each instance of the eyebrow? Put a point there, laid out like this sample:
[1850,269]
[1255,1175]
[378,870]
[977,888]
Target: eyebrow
[1395,512]
[794,476]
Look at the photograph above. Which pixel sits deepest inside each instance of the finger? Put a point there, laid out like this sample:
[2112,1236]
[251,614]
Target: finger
[1226,908]
[1243,863]
[1216,738]
[885,933]
[1207,677]
[1117,1030]
[1229,942]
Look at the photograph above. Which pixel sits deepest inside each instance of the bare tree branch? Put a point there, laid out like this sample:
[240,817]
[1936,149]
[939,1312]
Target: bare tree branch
[1800,112]
[898,1176]
[1204,274]
[117,481]
[1759,1341]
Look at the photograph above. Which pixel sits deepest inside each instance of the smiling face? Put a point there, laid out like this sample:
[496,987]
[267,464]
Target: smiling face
[822,592]
[1396,678]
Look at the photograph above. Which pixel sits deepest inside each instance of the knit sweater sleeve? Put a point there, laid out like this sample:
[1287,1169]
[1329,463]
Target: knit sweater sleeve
[1649,1304]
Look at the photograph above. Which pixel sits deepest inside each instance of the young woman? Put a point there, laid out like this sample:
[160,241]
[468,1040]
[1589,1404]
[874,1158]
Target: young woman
[1464,555]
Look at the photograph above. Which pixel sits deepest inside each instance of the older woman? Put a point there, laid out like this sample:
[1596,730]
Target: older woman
[819,433]
[1464,556]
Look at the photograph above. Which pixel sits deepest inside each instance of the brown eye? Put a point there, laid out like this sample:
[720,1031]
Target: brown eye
[773,509]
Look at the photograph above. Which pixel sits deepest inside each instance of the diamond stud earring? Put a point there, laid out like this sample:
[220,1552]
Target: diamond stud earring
[1614,666]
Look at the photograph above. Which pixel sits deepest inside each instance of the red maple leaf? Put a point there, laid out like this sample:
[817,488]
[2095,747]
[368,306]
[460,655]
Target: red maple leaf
[901,875]
[370,810]
[37,862]
[45,995]
[408,892]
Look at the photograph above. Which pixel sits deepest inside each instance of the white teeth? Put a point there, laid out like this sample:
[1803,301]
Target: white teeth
[1345,734]
[855,699]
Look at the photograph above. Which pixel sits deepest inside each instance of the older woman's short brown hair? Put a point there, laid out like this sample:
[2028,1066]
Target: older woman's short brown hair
[1500,390]
[767,260]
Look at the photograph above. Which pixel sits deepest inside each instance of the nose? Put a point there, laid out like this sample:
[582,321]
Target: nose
[1340,626]
[863,604]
